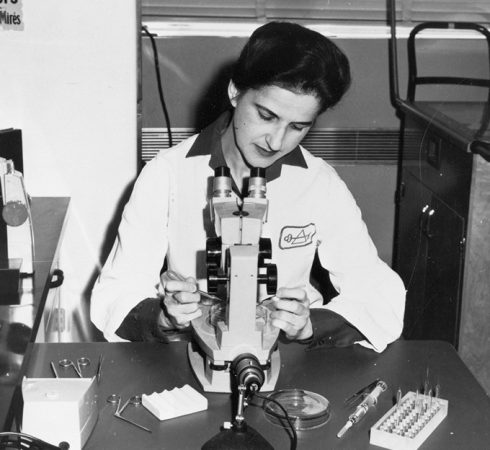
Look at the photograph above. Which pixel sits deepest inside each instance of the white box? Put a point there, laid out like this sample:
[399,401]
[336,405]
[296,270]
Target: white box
[60,409]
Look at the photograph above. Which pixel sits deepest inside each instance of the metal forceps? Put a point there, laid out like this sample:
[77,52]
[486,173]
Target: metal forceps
[362,393]
[207,298]
[81,362]
[135,400]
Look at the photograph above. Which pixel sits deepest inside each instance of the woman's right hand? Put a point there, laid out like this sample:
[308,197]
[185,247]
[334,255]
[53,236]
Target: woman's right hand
[180,302]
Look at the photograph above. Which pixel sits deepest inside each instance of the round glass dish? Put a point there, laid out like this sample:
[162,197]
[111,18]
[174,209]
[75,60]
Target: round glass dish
[306,410]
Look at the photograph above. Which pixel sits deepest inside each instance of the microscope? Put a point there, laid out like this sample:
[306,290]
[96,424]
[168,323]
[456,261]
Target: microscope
[236,345]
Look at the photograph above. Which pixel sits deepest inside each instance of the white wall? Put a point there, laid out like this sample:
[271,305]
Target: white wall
[69,81]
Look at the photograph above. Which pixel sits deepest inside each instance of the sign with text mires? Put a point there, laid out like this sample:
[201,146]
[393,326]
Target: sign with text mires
[11,15]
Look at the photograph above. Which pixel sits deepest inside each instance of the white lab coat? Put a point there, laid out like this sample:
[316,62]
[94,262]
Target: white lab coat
[310,208]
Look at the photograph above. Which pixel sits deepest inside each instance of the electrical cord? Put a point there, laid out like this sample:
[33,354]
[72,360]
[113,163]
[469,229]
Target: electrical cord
[13,440]
[159,84]
[294,442]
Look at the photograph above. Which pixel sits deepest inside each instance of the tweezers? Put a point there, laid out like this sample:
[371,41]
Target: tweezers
[362,392]
[173,275]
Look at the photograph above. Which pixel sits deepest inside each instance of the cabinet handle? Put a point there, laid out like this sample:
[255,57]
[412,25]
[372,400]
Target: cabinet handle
[425,221]
[57,279]
[423,217]
[427,227]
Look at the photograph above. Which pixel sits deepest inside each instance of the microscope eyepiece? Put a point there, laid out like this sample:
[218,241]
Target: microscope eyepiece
[222,182]
[257,172]
[257,183]
[222,171]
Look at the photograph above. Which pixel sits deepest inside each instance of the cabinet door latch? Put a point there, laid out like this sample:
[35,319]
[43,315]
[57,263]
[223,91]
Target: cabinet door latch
[425,221]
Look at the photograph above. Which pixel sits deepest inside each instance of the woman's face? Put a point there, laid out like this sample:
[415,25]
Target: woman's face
[270,122]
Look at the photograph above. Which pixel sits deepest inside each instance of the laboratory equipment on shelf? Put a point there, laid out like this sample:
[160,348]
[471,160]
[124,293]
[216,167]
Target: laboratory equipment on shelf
[16,221]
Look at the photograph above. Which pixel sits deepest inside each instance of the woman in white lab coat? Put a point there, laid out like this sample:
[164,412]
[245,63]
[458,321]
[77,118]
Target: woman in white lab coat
[285,77]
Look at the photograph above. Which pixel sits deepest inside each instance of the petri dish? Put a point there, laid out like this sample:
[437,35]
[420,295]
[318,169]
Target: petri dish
[306,410]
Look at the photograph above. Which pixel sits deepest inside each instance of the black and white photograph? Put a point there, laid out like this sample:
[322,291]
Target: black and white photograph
[244,224]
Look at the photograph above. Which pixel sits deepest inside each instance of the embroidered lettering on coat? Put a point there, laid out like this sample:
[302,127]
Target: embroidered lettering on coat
[294,236]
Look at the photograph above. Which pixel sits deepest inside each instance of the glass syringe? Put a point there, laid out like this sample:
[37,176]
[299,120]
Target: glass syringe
[363,407]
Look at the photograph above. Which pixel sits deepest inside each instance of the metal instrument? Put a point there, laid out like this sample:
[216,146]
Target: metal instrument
[99,368]
[234,338]
[361,393]
[135,400]
[81,362]
[369,401]
[207,299]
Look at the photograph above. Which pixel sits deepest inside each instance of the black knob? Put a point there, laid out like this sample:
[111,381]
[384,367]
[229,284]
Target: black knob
[213,251]
[213,278]
[271,279]
[265,250]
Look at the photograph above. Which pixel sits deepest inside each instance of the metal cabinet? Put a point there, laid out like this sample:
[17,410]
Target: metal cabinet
[430,261]
[441,224]
[433,199]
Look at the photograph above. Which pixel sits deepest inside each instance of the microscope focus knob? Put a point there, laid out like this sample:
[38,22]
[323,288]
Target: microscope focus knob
[265,250]
[213,278]
[213,251]
[269,278]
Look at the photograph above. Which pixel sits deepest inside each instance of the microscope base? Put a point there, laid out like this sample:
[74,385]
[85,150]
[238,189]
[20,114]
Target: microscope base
[242,438]
[220,380]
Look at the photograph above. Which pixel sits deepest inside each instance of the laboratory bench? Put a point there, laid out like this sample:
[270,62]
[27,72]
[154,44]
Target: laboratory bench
[25,322]
[130,369]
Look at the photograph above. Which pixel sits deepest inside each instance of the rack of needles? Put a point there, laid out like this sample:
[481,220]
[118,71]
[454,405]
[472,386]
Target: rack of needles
[410,422]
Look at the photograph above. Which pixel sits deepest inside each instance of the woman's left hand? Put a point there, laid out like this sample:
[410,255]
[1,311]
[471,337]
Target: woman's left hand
[292,313]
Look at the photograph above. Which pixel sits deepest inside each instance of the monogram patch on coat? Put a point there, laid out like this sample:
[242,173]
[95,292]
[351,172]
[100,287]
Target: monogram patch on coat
[294,236]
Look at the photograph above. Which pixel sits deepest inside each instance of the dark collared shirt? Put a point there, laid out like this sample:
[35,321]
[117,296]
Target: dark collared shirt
[209,143]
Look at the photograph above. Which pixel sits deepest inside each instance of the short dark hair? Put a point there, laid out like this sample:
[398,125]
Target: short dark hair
[293,57]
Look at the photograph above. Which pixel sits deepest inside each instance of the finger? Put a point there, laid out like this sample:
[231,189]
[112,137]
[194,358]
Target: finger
[175,308]
[173,286]
[173,275]
[186,297]
[281,324]
[289,330]
[183,320]
[292,293]
[293,306]
[295,332]
[288,322]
